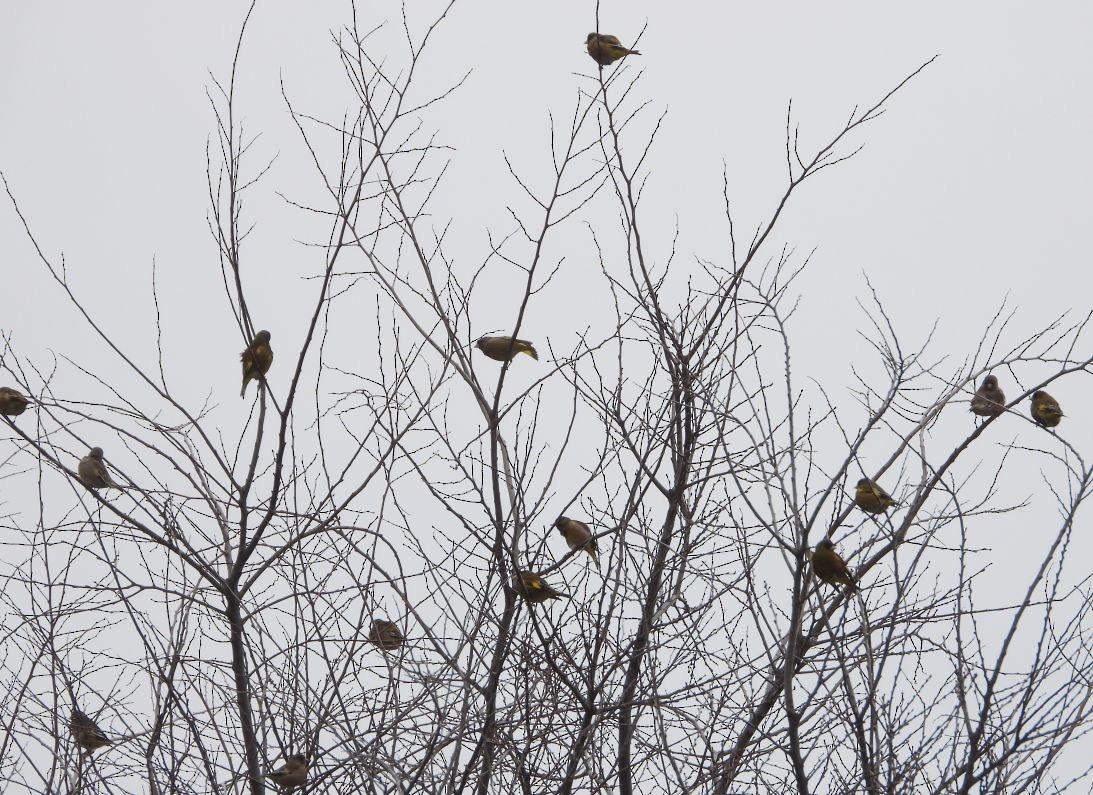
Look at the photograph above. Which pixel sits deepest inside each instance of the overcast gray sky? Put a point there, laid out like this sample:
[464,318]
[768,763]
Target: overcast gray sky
[973,186]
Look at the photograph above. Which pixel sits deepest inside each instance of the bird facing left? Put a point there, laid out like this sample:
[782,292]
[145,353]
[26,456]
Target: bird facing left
[12,401]
[86,732]
[829,566]
[533,588]
[605,49]
[93,473]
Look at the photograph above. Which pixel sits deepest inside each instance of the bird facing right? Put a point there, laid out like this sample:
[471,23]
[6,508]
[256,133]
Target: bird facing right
[256,359]
[292,774]
[534,588]
[605,49]
[12,401]
[989,400]
[86,732]
[386,635]
[1045,409]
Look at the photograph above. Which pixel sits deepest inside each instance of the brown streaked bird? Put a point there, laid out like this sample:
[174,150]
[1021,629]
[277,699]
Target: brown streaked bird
[605,49]
[386,635]
[989,400]
[578,535]
[256,359]
[86,732]
[292,774]
[502,349]
[871,498]
[93,472]
[533,587]
[829,567]
[12,401]
[1045,409]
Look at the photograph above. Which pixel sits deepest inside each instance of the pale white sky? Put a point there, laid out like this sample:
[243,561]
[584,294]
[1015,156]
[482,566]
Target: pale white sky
[970,188]
[974,185]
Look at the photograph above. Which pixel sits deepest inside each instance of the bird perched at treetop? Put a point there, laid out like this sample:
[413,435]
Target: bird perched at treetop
[829,567]
[1046,409]
[871,498]
[578,535]
[606,49]
[502,349]
[386,635]
[86,732]
[93,472]
[256,359]
[12,401]
[989,400]
[292,774]
[534,588]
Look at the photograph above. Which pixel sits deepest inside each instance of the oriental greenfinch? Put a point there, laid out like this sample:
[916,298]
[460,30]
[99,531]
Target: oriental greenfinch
[256,360]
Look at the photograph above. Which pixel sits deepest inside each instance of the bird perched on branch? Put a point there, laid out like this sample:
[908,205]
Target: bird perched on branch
[1046,409]
[256,359]
[578,535]
[606,49]
[871,498]
[386,635]
[534,588]
[292,774]
[87,733]
[93,472]
[503,349]
[989,400]
[12,401]
[829,567]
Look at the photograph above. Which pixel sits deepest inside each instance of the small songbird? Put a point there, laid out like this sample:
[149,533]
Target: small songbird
[829,567]
[292,774]
[87,733]
[256,359]
[606,49]
[989,400]
[386,635]
[93,472]
[534,588]
[1045,409]
[12,401]
[502,349]
[871,498]
[578,535]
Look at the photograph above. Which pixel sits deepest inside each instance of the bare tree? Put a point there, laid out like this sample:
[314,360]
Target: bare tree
[225,608]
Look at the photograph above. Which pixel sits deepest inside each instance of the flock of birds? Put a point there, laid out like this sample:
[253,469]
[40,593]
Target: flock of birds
[827,565]
[92,473]
[256,360]
[988,401]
